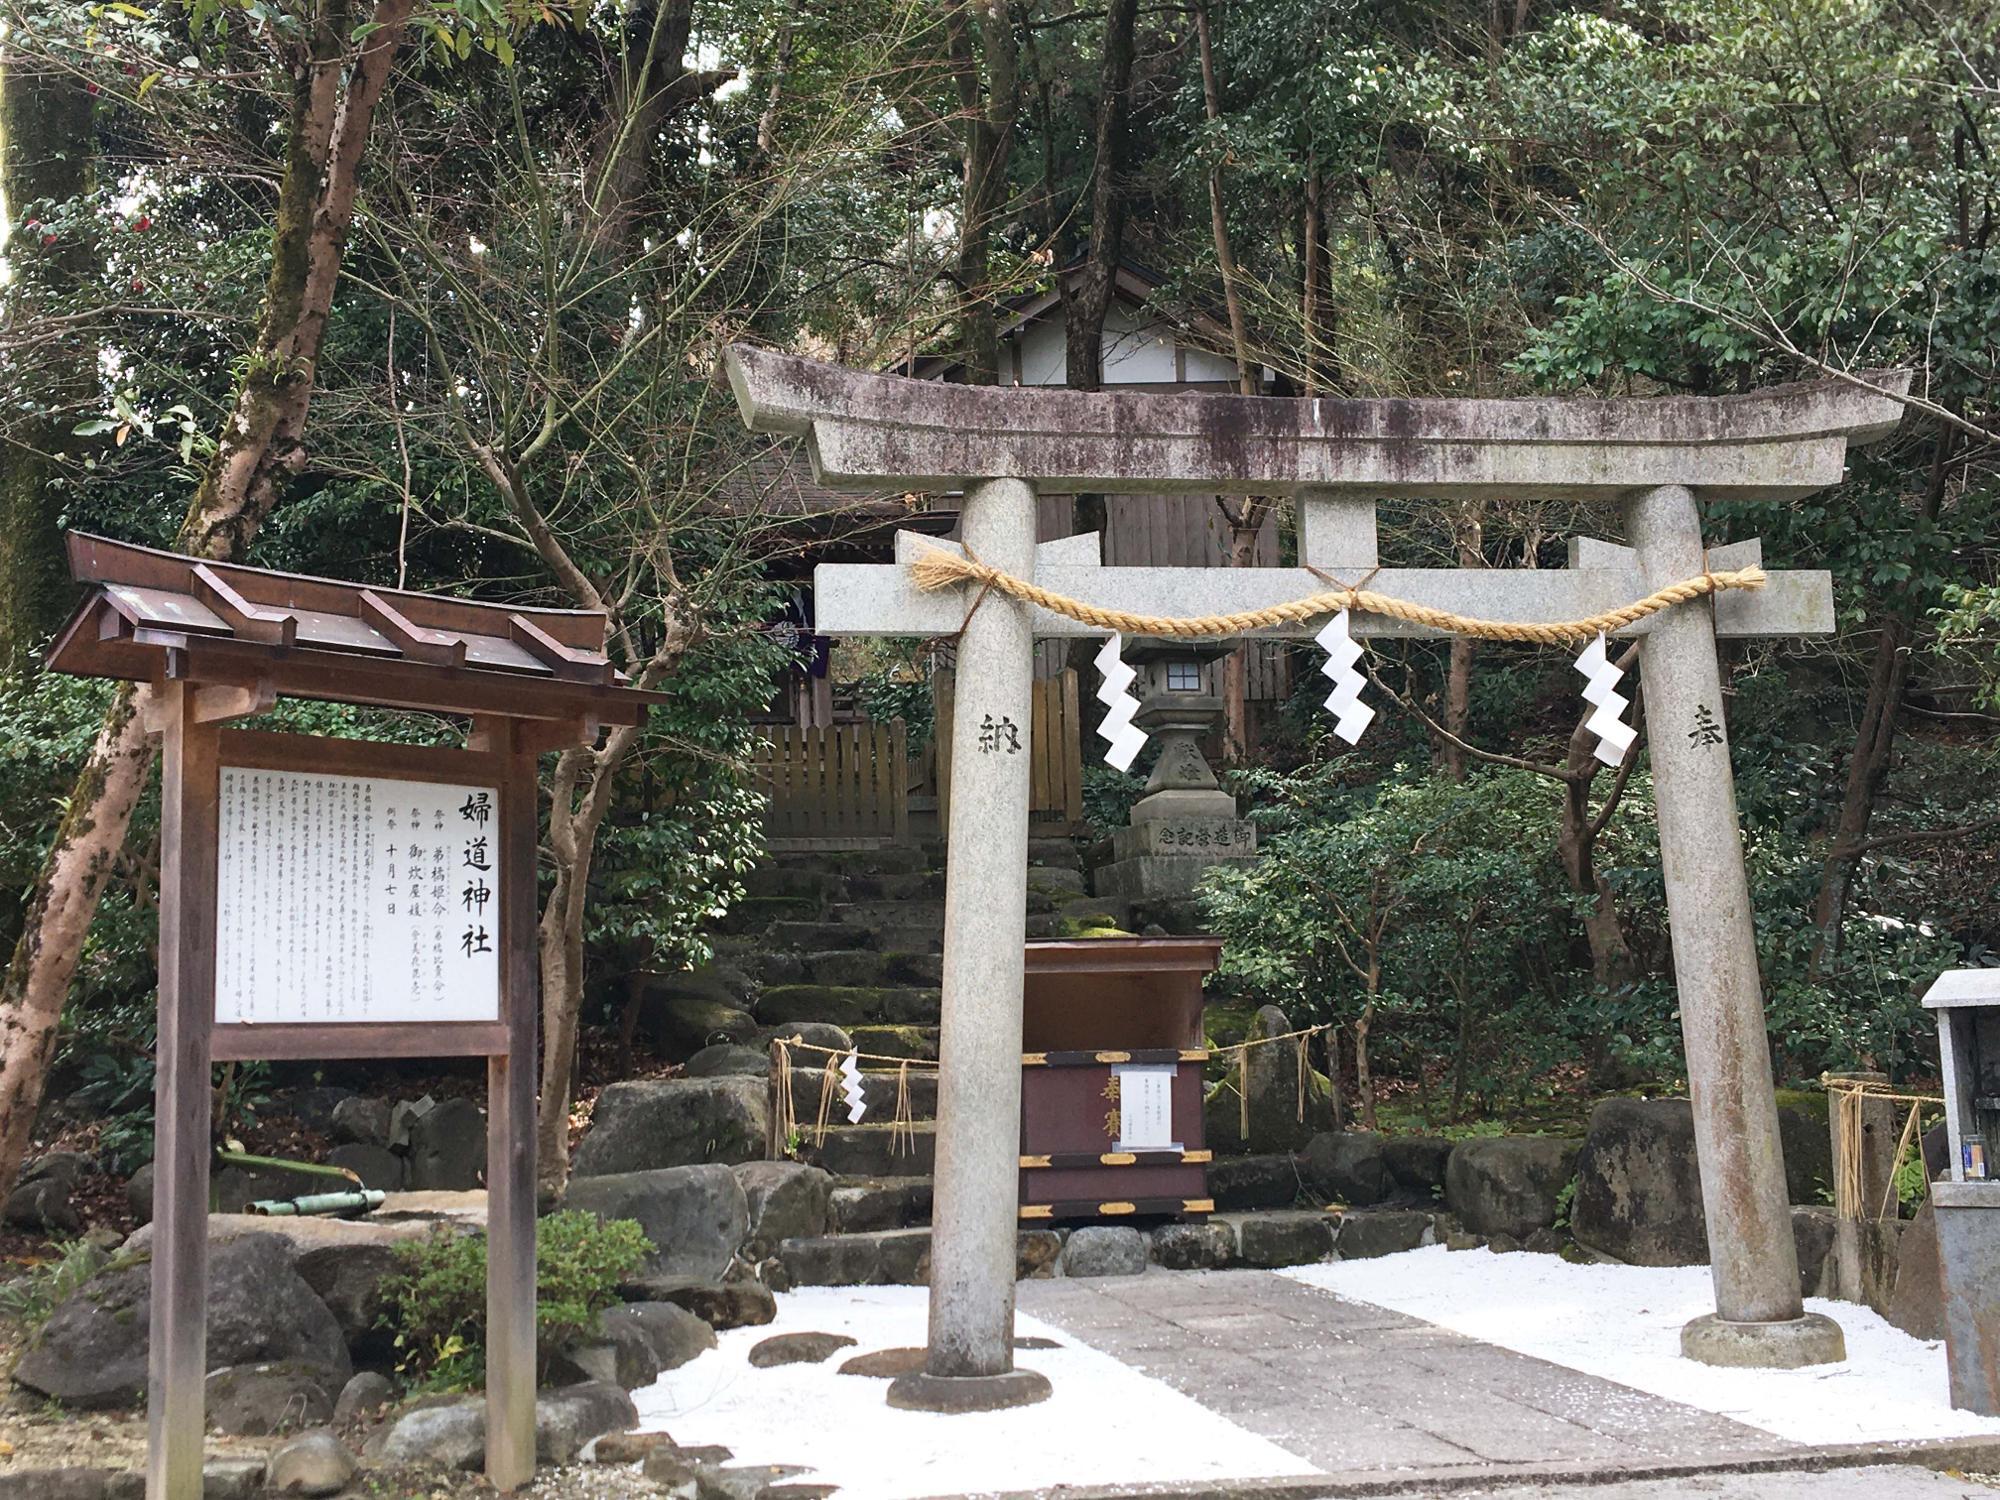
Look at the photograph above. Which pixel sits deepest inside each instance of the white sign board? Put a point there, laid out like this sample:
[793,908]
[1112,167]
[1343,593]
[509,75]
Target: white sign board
[355,898]
[1146,1106]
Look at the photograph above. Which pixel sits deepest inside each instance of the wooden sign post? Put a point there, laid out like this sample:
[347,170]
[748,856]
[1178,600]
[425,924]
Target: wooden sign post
[335,898]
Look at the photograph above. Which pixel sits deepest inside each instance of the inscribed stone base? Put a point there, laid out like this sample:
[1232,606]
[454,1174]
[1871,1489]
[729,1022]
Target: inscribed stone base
[1156,875]
[1184,836]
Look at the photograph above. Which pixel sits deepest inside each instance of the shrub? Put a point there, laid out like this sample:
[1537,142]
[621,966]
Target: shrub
[437,1301]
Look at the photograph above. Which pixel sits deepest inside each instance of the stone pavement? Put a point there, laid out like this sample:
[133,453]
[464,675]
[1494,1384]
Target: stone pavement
[1875,1482]
[1353,1388]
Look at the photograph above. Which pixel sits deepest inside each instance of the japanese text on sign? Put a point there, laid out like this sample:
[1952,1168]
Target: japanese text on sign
[355,898]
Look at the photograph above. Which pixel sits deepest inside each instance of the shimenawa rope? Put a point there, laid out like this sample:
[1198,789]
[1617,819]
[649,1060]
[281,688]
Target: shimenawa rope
[935,568]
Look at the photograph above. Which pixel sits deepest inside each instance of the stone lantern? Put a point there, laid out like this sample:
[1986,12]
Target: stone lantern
[1186,823]
[1967,1198]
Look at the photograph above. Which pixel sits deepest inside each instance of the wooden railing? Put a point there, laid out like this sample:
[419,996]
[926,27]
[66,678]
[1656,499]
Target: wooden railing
[842,782]
[1055,743]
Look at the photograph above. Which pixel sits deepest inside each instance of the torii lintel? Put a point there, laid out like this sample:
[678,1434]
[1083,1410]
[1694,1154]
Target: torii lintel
[865,431]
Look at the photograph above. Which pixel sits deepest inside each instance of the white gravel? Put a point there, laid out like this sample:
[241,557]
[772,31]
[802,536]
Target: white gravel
[1105,1422]
[1623,1323]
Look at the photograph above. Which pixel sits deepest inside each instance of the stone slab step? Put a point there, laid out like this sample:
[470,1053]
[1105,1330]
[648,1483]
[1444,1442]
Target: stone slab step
[904,912]
[915,885]
[756,913]
[872,1150]
[805,882]
[818,935]
[893,859]
[861,1205]
[847,1006]
[879,1091]
[919,1043]
[894,1257]
[921,938]
[865,967]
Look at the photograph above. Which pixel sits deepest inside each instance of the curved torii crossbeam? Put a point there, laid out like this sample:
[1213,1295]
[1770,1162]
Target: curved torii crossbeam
[1658,457]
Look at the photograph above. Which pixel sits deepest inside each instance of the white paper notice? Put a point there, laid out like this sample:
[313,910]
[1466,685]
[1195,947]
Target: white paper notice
[1146,1106]
[356,898]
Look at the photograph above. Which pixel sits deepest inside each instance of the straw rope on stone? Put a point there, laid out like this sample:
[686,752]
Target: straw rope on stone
[935,568]
[1849,1095]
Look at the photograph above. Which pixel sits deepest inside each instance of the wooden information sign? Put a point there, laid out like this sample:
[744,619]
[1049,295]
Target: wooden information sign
[332,898]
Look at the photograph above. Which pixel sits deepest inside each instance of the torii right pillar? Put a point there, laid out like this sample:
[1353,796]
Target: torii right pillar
[1760,1317]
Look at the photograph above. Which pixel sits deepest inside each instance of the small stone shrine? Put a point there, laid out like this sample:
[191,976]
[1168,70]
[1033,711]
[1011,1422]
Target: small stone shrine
[1186,824]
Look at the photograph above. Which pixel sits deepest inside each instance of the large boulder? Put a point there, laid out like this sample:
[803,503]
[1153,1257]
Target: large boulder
[1245,1182]
[92,1351]
[787,1200]
[1508,1185]
[443,1437]
[1416,1164]
[674,1334]
[1638,1185]
[697,1217]
[259,1400]
[361,1121]
[683,1024]
[448,1147]
[646,1124]
[313,1463]
[570,1417]
[1346,1166]
[1104,1250]
[728,1060]
[1275,1122]
[349,1279]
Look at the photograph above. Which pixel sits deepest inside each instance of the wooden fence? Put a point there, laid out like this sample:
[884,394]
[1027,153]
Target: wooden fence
[1055,769]
[838,783]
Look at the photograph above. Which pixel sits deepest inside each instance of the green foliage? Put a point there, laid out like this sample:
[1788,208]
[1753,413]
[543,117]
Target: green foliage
[1428,908]
[437,1299]
[39,1289]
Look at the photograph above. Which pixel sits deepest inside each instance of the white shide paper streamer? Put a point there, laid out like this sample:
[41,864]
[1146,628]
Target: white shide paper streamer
[1350,715]
[850,1089]
[1119,705]
[1614,736]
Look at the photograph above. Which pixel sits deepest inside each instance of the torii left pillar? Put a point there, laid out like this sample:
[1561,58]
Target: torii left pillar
[975,1199]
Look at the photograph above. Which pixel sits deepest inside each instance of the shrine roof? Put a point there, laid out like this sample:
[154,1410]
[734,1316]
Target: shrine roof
[152,615]
[865,431]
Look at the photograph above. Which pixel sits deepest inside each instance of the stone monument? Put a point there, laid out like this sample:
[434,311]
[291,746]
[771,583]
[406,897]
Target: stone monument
[1186,824]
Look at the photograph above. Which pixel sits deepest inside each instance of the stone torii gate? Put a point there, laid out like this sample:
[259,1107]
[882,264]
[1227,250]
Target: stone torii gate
[1657,457]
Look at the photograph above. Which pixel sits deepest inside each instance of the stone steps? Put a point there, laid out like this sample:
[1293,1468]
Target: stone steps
[1265,1239]
[918,1043]
[871,1149]
[894,859]
[860,1205]
[862,966]
[879,1089]
[848,1006]
[913,912]
[817,935]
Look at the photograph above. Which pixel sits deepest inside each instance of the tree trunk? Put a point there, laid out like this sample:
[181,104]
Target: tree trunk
[1245,516]
[1874,740]
[987,113]
[261,445]
[1364,1078]
[1318,315]
[48,144]
[1086,291]
[1468,528]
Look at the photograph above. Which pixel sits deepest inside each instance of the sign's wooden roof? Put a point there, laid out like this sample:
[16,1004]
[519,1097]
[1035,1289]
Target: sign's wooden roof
[153,615]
